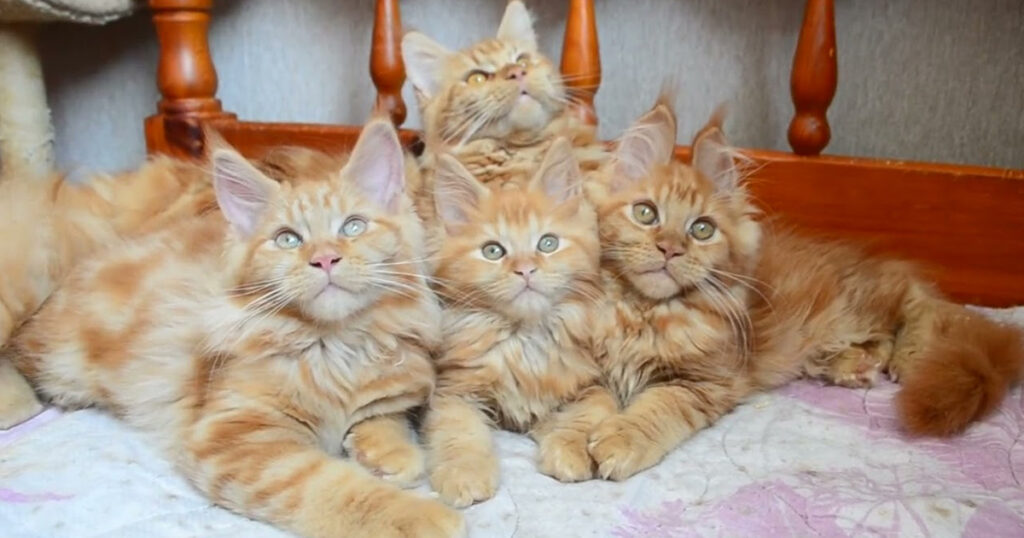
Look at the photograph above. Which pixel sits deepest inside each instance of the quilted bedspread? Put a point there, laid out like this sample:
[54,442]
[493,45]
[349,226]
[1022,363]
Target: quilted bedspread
[806,460]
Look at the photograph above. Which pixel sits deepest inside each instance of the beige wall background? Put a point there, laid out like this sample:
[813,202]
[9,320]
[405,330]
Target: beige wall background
[928,80]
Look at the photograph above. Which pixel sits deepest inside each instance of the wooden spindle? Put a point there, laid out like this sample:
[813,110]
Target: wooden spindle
[813,81]
[185,76]
[581,58]
[386,67]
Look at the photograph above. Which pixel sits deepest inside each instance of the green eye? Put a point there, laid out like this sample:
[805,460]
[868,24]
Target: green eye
[548,243]
[353,226]
[287,240]
[493,251]
[645,213]
[702,229]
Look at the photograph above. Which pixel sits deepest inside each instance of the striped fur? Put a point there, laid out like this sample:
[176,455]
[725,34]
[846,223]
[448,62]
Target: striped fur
[253,366]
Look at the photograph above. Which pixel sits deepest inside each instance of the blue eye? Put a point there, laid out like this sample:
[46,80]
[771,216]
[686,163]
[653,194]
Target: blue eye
[287,240]
[353,226]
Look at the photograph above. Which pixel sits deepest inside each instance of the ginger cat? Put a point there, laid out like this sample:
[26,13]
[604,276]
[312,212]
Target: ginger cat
[252,351]
[714,304]
[53,223]
[495,106]
[518,271]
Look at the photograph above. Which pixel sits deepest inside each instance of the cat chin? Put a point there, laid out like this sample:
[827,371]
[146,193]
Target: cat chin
[655,284]
[333,304]
[528,114]
[527,305]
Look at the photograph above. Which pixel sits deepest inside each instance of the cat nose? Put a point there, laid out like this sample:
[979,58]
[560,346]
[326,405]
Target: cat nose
[325,261]
[515,72]
[525,270]
[670,250]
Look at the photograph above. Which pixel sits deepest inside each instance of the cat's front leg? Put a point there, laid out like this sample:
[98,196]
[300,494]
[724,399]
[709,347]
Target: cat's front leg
[267,466]
[460,451]
[386,445]
[655,422]
[562,437]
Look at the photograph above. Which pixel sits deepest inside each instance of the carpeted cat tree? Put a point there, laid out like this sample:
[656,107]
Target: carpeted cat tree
[26,133]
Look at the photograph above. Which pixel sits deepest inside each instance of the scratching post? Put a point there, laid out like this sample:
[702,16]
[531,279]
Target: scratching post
[26,134]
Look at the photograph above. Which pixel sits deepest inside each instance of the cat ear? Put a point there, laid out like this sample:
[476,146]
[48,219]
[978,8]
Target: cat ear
[713,157]
[517,25]
[243,192]
[456,191]
[377,164]
[423,58]
[649,142]
[559,175]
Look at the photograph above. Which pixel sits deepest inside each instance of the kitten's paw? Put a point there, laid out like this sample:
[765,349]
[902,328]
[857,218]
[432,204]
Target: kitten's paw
[419,517]
[856,368]
[563,456]
[621,449]
[401,463]
[465,481]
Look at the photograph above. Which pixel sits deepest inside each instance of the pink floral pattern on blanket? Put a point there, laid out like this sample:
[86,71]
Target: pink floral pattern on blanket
[966,486]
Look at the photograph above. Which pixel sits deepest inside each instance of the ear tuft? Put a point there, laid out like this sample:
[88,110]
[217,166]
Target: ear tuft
[713,157]
[242,191]
[649,142]
[559,175]
[424,59]
[377,164]
[456,191]
[517,24]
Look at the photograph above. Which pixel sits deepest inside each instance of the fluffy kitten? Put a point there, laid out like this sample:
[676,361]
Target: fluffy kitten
[53,223]
[252,352]
[715,308]
[519,274]
[495,106]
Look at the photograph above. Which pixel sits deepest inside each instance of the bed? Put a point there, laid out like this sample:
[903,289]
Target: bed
[802,461]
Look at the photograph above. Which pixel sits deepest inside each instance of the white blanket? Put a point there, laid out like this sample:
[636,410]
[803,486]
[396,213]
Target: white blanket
[807,460]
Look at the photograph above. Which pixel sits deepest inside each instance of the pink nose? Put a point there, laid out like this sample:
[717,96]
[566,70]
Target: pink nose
[670,250]
[525,270]
[325,261]
[515,73]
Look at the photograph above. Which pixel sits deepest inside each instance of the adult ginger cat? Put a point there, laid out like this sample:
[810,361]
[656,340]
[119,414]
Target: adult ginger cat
[251,351]
[518,271]
[714,304]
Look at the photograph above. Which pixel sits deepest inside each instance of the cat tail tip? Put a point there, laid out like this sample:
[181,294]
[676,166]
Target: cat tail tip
[966,374]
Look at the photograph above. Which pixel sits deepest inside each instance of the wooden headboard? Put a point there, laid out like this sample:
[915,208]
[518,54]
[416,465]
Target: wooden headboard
[965,224]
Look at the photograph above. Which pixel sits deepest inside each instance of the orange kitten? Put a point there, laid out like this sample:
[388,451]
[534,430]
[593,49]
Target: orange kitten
[519,275]
[674,345]
[252,352]
[714,308]
[495,106]
[53,223]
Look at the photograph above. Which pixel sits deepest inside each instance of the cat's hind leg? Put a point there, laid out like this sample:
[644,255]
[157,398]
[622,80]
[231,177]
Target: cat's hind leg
[860,365]
[18,402]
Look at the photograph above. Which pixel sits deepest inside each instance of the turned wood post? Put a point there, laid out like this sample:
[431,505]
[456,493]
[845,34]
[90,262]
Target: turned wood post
[581,58]
[185,76]
[813,81]
[386,67]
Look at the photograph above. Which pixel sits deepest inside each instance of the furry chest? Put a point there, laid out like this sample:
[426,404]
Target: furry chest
[534,376]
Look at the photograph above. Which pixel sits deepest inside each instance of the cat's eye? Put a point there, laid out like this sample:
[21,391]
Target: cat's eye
[287,240]
[548,243]
[353,226]
[523,61]
[702,229]
[476,78]
[645,213]
[492,251]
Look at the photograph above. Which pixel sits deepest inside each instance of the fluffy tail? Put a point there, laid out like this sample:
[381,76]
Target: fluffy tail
[956,366]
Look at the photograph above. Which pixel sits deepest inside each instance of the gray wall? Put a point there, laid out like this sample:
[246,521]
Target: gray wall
[918,79]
